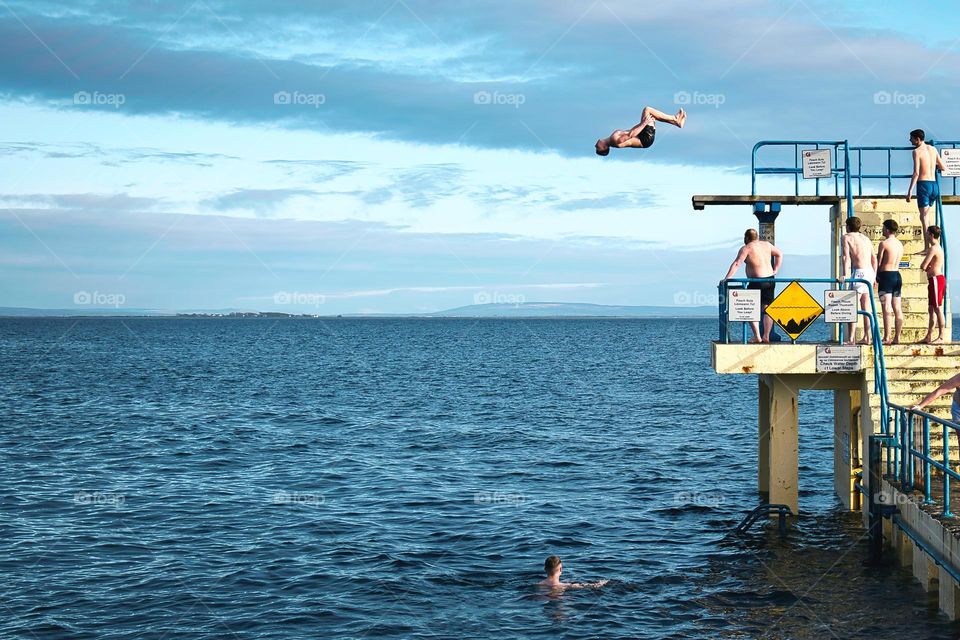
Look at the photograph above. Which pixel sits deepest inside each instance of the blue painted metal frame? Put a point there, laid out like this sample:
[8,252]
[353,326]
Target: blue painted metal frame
[797,169]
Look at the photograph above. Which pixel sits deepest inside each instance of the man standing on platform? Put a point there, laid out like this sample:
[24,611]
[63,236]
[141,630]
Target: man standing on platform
[889,281]
[926,161]
[858,261]
[936,284]
[759,255]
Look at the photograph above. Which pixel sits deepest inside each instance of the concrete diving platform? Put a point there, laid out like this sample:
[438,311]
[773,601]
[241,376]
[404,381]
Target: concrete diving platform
[700,202]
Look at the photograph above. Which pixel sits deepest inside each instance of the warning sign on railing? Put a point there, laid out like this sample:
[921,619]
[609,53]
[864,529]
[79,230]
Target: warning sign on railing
[951,162]
[743,305]
[816,163]
[840,306]
[794,310]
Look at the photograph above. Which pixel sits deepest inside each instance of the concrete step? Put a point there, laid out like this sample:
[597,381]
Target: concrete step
[950,349]
[892,361]
[898,386]
[908,399]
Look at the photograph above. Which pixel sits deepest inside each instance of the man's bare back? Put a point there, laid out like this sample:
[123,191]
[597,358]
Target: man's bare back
[859,249]
[757,258]
[890,253]
[927,160]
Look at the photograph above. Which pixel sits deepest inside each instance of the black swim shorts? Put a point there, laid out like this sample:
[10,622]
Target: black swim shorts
[767,290]
[889,283]
[646,135]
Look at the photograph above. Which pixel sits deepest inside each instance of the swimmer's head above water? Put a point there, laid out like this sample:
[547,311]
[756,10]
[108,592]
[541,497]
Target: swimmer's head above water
[553,567]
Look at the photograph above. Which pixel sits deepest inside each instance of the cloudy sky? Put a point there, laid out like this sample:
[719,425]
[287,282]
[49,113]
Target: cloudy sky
[339,156]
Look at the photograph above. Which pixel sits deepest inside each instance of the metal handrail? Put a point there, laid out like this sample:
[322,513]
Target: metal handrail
[904,453]
[797,170]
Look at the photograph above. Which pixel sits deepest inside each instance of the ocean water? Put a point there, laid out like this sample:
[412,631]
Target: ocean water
[167,478]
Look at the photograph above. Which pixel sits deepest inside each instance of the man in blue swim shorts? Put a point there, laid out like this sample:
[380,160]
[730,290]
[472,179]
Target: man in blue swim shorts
[926,161]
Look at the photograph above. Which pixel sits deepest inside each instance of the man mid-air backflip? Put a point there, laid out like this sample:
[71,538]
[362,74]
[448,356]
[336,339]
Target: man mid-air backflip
[642,135]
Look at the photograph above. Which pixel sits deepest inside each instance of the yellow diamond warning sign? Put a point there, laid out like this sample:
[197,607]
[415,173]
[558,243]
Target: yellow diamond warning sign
[794,310]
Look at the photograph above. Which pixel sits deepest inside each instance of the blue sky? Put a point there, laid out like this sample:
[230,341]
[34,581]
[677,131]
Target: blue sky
[411,156]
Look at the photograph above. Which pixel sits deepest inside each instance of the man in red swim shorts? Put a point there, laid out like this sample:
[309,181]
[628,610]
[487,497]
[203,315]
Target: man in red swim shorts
[936,284]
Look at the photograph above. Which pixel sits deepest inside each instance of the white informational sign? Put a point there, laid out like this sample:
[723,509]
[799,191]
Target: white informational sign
[816,164]
[951,162]
[840,306]
[836,358]
[743,305]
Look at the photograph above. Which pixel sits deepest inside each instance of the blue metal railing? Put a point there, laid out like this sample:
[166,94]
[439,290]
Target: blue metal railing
[880,377]
[903,454]
[836,171]
[889,176]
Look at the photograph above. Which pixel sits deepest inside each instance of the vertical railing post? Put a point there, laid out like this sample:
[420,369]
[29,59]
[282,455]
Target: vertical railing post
[906,479]
[722,306]
[896,449]
[927,499]
[946,472]
[875,517]
[847,183]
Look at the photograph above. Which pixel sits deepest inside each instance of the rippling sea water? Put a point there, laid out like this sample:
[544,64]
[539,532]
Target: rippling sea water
[173,478]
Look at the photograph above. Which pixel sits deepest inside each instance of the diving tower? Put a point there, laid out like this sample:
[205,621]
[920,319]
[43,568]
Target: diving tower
[893,464]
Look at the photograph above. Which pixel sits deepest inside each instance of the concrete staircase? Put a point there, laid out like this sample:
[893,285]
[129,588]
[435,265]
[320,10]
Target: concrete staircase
[913,370]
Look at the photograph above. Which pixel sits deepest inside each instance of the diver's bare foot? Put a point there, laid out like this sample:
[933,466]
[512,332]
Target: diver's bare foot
[755,341]
[926,339]
[681,117]
[888,342]
[937,341]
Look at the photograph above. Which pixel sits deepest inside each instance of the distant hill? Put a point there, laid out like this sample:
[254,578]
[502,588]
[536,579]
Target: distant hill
[573,310]
[24,312]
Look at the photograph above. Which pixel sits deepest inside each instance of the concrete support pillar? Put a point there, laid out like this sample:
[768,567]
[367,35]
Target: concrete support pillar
[904,547]
[783,448]
[846,404]
[925,570]
[763,442]
[949,595]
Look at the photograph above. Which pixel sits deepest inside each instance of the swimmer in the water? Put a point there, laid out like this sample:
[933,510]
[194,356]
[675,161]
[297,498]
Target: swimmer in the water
[642,134]
[553,567]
